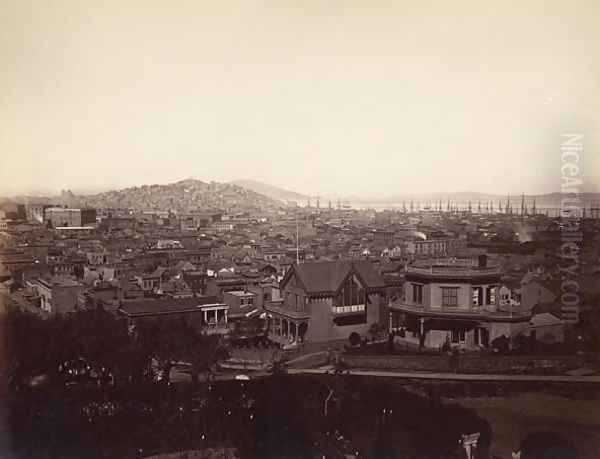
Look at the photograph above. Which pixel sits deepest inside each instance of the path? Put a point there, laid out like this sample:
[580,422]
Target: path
[453,376]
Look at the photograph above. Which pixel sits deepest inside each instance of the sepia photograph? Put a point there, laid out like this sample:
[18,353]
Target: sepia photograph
[241,229]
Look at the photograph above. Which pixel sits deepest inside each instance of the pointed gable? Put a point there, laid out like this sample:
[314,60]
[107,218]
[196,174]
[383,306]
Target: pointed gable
[327,277]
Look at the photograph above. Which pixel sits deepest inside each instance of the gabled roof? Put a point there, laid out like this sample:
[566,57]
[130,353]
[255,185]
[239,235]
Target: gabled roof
[544,319]
[327,277]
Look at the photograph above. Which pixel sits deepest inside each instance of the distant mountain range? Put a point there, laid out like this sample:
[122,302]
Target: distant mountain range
[271,191]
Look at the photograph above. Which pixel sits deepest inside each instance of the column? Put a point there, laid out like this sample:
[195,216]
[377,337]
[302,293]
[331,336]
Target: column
[422,333]
[293,330]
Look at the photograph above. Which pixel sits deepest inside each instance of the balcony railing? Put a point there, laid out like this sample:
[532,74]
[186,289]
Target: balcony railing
[474,312]
[451,271]
[279,307]
[348,309]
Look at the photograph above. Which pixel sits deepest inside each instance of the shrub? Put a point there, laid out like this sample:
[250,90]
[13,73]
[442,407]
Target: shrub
[354,339]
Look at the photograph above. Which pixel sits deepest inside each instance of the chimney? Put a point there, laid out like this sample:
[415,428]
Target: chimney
[482,261]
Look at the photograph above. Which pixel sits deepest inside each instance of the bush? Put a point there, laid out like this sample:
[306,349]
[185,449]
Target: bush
[521,343]
[547,445]
[377,331]
[354,339]
[501,344]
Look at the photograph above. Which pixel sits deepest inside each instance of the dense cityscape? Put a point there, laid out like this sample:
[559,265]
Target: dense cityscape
[299,229]
[195,286]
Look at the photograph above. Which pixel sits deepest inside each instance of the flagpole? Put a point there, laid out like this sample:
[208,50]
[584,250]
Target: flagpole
[297,246]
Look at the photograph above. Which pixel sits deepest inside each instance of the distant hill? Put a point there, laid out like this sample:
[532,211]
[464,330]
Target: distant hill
[271,191]
[183,196]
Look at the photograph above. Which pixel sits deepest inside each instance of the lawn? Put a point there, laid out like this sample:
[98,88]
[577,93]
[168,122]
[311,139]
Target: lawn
[514,417]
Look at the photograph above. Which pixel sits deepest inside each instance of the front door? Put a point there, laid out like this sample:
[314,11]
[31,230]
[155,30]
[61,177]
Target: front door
[485,337]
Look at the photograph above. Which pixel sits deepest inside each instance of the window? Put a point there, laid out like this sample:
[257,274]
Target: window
[458,336]
[477,296]
[490,297]
[417,293]
[449,296]
[351,294]
[353,308]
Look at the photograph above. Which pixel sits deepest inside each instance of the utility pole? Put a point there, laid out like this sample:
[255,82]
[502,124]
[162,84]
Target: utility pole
[297,243]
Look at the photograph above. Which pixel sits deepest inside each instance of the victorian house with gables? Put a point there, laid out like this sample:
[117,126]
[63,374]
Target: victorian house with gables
[327,301]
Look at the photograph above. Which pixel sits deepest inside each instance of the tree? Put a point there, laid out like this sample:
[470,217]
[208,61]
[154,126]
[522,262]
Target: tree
[249,327]
[166,340]
[205,352]
[354,339]
[336,386]
[377,331]
[278,367]
[501,343]
[521,343]
[90,342]
[26,339]
[546,445]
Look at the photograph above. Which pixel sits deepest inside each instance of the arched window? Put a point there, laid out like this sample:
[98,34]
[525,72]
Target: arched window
[352,293]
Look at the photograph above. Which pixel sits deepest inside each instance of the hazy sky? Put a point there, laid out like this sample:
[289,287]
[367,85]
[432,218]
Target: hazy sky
[356,97]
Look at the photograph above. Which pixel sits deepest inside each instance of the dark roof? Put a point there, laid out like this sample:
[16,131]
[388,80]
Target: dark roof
[327,277]
[164,306]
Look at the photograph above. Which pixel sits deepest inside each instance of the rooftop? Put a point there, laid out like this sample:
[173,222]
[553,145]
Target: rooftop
[464,314]
[73,228]
[327,277]
[467,267]
[146,307]
[241,293]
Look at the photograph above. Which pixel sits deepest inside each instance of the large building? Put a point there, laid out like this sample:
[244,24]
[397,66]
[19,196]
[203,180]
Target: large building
[327,301]
[454,301]
[35,212]
[435,247]
[57,295]
[62,217]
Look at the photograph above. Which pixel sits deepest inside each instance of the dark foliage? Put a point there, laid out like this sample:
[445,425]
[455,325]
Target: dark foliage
[280,416]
